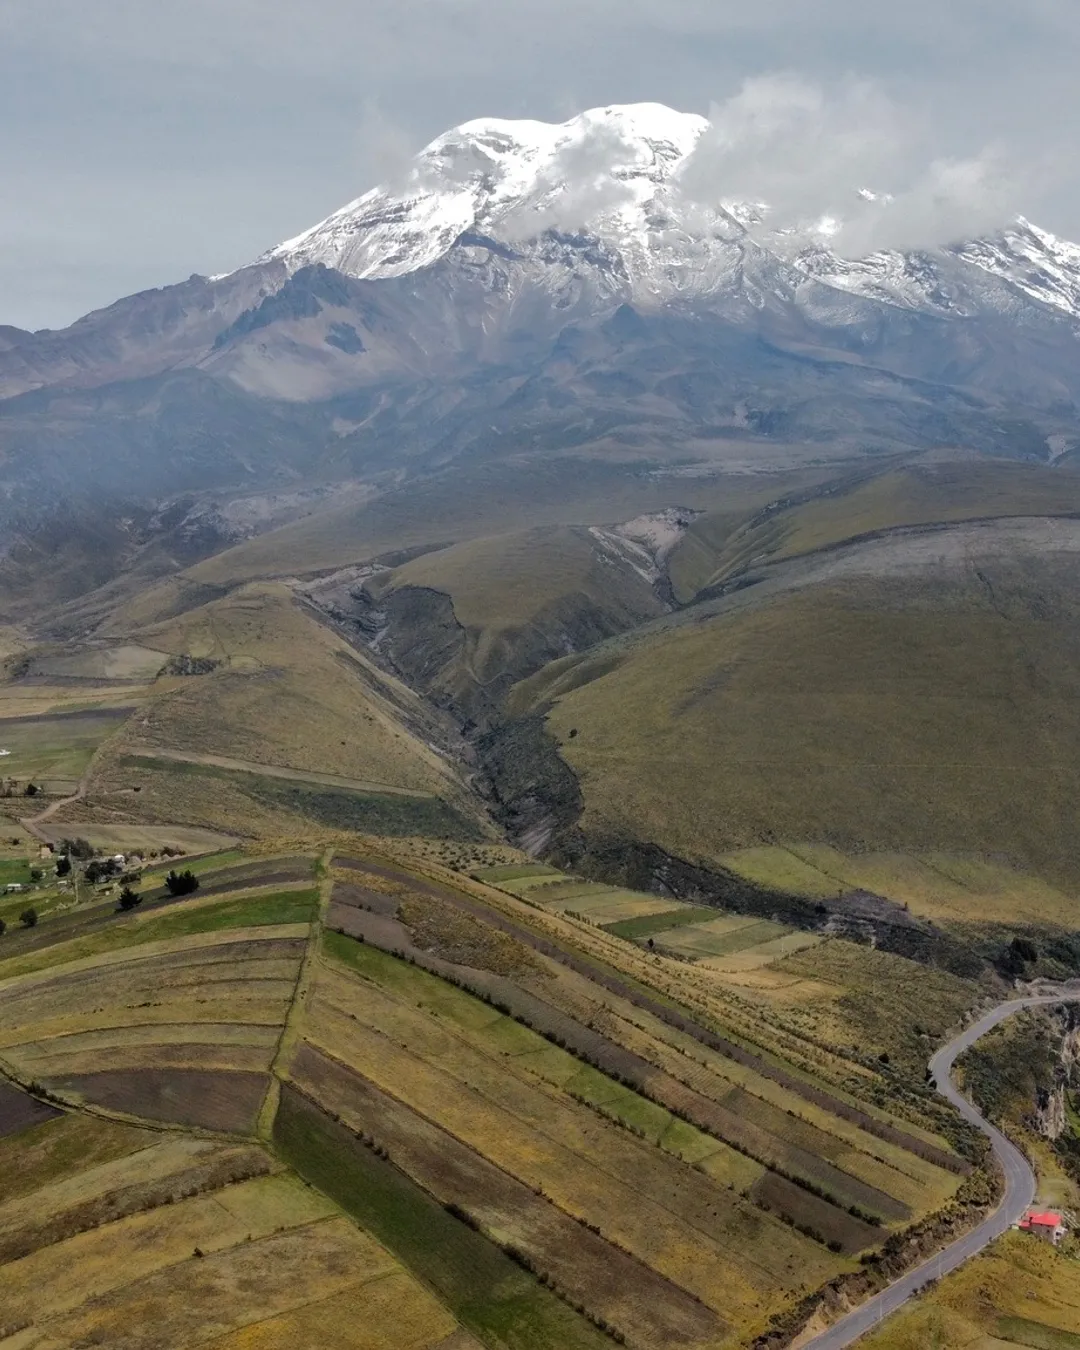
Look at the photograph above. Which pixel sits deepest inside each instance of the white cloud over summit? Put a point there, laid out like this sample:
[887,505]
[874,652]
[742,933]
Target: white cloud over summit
[147,139]
[852,161]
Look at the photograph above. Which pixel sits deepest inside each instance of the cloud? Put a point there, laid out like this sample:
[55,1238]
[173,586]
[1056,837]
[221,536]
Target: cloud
[386,148]
[262,116]
[580,184]
[851,162]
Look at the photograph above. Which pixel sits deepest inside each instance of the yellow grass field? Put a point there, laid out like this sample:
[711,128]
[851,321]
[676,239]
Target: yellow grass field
[549,1141]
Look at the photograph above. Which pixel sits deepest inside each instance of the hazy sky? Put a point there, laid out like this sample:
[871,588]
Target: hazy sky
[143,140]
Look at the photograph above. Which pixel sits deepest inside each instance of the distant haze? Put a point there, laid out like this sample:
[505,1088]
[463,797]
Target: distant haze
[144,140]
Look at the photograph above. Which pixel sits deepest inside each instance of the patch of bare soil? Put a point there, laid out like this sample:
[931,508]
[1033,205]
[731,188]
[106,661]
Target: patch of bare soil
[20,1111]
[226,1101]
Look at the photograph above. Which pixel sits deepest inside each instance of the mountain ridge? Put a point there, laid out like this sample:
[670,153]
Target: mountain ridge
[547,289]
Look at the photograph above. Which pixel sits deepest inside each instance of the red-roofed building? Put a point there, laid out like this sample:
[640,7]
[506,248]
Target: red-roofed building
[1047,1226]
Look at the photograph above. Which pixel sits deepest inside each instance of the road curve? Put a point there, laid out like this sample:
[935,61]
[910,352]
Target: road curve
[1019,1186]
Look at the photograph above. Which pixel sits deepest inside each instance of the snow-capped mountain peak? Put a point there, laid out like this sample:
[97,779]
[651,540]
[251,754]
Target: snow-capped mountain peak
[501,178]
[620,177]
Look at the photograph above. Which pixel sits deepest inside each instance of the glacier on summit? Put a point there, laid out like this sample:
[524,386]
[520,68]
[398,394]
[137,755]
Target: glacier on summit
[616,176]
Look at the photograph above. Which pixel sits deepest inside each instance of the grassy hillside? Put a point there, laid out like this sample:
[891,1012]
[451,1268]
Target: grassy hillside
[284,712]
[877,715]
[473,503]
[517,602]
[931,490]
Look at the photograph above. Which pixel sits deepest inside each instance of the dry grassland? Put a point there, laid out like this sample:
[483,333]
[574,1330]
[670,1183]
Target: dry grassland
[889,1005]
[934,885]
[919,494]
[1020,1292]
[302,698]
[794,720]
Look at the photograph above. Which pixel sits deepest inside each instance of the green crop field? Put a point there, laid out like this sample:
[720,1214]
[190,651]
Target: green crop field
[662,922]
[55,749]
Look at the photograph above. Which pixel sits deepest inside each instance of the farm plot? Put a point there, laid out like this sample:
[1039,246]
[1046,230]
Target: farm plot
[510,872]
[490,1292]
[141,839]
[20,1111]
[211,1265]
[613,905]
[55,749]
[762,954]
[520,1044]
[97,933]
[638,929]
[743,1259]
[721,935]
[581,1264]
[184,1035]
[591,900]
[801,1076]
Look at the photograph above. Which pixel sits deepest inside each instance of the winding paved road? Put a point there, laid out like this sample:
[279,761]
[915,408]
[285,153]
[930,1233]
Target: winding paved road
[1018,1197]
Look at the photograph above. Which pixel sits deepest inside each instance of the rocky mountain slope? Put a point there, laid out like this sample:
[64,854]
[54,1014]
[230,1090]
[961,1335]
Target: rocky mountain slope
[531,288]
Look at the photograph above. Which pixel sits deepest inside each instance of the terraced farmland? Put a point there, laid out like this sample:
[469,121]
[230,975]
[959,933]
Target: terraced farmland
[517,1129]
[180,1030]
[729,943]
[114,1235]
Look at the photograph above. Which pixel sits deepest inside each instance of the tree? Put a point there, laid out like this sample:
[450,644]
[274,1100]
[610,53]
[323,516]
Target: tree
[181,883]
[3,928]
[100,869]
[1017,956]
[129,899]
[78,848]
[63,865]
[28,918]
[31,790]
[36,874]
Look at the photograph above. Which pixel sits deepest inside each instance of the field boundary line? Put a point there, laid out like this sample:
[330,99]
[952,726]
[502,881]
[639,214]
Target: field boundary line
[264,1127]
[361,1283]
[283,771]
